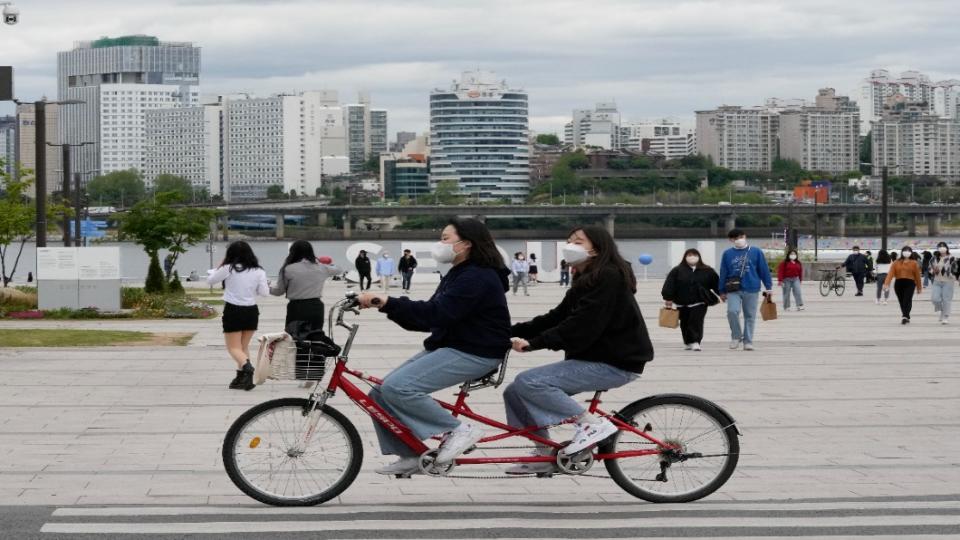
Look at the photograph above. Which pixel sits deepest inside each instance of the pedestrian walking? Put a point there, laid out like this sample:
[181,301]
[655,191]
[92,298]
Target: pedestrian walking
[856,264]
[925,258]
[564,273]
[691,286]
[743,269]
[905,275]
[168,265]
[883,267]
[871,277]
[362,264]
[519,269]
[407,264]
[243,280]
[534,270]
[386,268]
[943,270]
[301,279]
[790,277]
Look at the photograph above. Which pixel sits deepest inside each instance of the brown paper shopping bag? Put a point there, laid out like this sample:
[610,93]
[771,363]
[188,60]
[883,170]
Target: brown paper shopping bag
[669,318]
[768,310]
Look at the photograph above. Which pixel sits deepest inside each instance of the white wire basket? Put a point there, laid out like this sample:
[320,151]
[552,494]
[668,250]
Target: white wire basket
[295,360]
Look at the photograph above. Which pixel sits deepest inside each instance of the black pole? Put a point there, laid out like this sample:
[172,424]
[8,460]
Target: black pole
[40,170]
[884,218]
[816,225]
[65,192]
[76,209]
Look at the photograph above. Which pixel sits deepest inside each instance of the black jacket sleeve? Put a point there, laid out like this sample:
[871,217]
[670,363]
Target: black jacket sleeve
[669,291]
[455,302]
[584,321]
[713,280]
[535,326]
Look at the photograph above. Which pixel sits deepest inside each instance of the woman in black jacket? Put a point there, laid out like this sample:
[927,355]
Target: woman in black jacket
[691,286]
[469,326]
[599,327]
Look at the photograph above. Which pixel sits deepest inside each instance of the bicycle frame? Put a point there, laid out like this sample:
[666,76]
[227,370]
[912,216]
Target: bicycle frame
[339,381]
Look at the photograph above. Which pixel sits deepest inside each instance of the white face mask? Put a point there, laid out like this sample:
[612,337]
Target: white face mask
[943,250]
[906,254]
[692,260]
[443,252]
[573,253]
[793,256]
[740,242]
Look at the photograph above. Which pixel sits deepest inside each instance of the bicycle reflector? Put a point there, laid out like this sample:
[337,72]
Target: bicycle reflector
[254,442]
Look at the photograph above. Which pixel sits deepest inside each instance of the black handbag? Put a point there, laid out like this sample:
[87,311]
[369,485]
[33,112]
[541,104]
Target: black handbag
[708,296]
[733,283]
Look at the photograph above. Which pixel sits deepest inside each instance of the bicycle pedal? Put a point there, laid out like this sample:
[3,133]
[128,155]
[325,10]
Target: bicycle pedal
[471,449]
[403,475]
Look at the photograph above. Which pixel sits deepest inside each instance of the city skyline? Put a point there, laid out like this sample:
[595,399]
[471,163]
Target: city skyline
[652,58]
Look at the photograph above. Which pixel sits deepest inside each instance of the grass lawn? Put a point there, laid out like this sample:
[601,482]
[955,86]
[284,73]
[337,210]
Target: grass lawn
[34,337]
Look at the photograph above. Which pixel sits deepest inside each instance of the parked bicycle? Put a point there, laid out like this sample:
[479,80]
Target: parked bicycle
[832,280]
[301,452]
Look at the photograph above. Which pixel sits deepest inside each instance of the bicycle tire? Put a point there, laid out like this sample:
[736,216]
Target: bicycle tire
[825,287]
[840,286]
[331,415]
[632,411]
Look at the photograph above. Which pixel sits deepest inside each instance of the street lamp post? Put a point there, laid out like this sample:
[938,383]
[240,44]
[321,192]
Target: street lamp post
[65,147]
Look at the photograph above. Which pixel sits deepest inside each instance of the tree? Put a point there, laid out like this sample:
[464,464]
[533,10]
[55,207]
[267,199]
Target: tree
[119,188]
[169,183]
[275,192]
[548,138]
[293,194]
[18,217]
[446,192]
[372,165]
[156,224]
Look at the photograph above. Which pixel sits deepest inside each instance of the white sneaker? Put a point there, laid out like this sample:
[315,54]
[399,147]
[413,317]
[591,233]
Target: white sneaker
[533,468]
[944,321]
[588,435]
[877,301]
[800,308]
[688,346]
[459,441]
[407,465]
[748,346]
[696,347]
[884,302]
[735,344]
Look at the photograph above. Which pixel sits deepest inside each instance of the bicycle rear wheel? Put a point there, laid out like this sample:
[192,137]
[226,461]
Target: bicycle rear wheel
[708,454]
[840,285]
[264,456]
[825,287]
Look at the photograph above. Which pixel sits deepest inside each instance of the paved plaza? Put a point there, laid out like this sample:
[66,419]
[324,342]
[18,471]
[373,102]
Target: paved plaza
[851,428]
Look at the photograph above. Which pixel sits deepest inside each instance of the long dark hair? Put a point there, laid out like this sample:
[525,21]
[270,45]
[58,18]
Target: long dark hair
[240,257]
[786,257]
[607,256]
[883,257]
[683,261]
[483,250]
[301,250]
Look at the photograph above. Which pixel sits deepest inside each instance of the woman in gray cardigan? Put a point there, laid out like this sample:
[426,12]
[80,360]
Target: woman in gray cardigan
[301,279]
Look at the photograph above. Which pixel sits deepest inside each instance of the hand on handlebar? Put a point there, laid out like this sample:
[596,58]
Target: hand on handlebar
[369,300]
[520,344]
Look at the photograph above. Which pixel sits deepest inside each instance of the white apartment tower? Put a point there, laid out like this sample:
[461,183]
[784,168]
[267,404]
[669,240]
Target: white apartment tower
[479,137]
[185,141]
[824,137]
[599,127]
[739,138]
[366,132]
[941,98]
[664,137]
[913,142]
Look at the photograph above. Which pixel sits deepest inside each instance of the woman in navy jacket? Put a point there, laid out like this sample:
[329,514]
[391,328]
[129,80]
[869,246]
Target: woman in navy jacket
[469,326]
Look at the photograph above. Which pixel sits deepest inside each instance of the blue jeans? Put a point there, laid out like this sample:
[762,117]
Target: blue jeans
[405,393]
[791,284]
[745,302]
[541,396]
[941,294]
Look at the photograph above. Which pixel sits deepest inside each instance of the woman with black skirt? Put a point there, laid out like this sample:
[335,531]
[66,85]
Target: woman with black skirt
[243,280]
[689,286]
[301,279]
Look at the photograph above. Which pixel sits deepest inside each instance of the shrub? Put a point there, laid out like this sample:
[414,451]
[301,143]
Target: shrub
[155,281]
[175,287]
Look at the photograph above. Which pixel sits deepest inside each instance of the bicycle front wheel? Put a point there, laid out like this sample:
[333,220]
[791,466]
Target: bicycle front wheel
[265,455]
[840,286]
[708,449]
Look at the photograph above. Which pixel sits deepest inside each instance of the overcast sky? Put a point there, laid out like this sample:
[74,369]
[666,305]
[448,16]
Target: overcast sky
[653,57]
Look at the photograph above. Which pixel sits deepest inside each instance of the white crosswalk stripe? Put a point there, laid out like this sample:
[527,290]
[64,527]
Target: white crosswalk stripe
[891,518]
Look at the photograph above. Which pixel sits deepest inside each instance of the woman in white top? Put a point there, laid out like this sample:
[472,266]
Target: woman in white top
[243,280]
[882,266]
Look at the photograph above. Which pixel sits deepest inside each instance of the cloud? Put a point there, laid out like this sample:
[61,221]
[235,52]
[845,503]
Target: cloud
[653,57]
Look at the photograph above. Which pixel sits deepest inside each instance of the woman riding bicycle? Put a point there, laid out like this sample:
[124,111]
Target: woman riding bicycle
[469,326]
[599,327]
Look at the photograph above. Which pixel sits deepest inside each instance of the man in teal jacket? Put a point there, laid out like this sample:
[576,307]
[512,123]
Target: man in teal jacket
[743,268]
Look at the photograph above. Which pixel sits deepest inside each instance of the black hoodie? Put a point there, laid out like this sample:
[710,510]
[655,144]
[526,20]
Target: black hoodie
[468,312]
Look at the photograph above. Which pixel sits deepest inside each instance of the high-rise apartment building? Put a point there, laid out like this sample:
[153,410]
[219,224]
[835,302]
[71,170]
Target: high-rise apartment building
[664,137]
[739,138]
[403,137]
[366,132]
[8,144]
[824,137]
[185,141]
[479,138]
[599,127]
[940,98]
[913,142]
[128,74]
[27,148]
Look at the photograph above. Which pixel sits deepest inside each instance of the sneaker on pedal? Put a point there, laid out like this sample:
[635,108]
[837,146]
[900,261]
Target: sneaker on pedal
[540,467]
[588,435]
[403,466]
[459,441]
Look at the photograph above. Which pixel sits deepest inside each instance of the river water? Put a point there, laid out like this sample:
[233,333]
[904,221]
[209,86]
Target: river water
[665,254]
